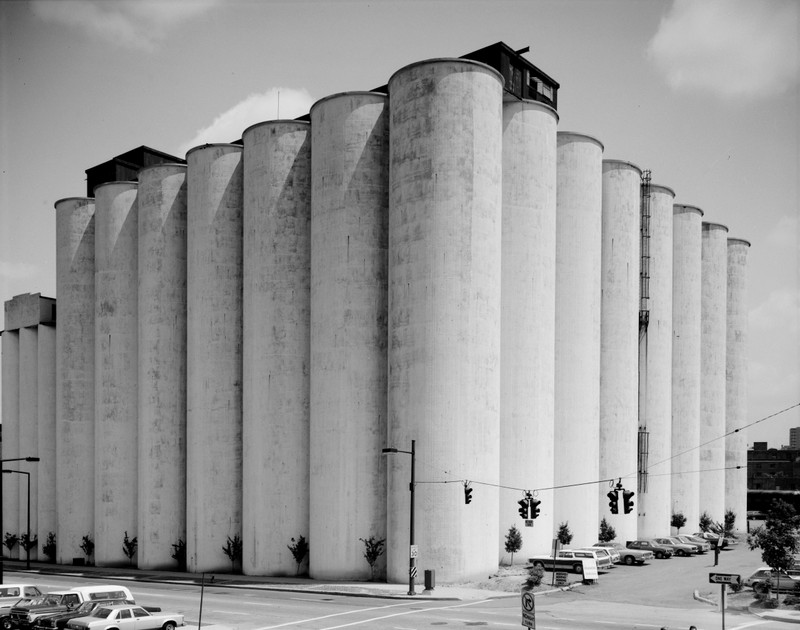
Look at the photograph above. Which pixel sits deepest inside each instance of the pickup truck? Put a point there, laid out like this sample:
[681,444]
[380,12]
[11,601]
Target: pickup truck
[126,616]
[659,551]
[571,559]
[58,621]
[24,615]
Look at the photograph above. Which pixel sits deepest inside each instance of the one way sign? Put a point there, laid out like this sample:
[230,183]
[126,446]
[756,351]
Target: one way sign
[724,578]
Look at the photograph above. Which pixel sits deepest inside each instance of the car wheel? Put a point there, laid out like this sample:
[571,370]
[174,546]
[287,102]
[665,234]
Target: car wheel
[659,555]
[629,560]
[6,623]
[681,552]
[170,625]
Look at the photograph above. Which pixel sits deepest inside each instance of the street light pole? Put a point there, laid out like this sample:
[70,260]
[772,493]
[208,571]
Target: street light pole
[412,552]
[3,461]
[28,548]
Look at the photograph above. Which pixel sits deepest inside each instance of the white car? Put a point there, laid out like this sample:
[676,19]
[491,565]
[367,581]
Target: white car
[12,593]
[612,553]
[126,617]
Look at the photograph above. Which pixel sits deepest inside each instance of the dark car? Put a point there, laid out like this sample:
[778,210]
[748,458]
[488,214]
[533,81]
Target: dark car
[59,620]
[659,551]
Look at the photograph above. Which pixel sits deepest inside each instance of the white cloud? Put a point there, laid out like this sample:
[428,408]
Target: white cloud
[136,24]
[275,103]
[731,48]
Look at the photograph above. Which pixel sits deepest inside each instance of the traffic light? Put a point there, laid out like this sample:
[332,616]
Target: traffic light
[467,495]
[613,501]
[535,508]
[627,501]
[523,507]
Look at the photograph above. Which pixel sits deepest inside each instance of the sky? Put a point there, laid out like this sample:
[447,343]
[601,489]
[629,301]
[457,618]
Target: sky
[704,93]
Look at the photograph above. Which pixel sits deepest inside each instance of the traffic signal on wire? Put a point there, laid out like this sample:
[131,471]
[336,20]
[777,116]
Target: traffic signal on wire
[467,494]
[627,501]
[613,501]
[523,507]
[535,508]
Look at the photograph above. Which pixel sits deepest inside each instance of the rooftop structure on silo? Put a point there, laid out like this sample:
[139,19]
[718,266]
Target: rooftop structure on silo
[125,167]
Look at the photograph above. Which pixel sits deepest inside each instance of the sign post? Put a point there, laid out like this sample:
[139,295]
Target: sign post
[528,610]
[723,579]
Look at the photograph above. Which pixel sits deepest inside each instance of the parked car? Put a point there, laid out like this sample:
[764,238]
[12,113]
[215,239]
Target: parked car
[11,593]
[659,551]
[627,555]
[126,616]
[693,540]
[714,539]
[571,559]
[612,549]
[23,617]
[5,613]
[678,547]
[59,621]
[774,579]
[603,551]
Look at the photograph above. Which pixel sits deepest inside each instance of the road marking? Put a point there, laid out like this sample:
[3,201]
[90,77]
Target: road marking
[407,612]
[347,612]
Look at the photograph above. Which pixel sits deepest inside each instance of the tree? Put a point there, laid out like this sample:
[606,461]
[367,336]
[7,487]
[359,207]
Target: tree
[299,549]
[28,543]
[564,535]
[10,541]
[49,547]
[607,533]
[233,549]
[678,520]
[373,549]
[705,522]
[129,547]
[730,523]
[777,537]
[179,554]
[87,546]
[513,542]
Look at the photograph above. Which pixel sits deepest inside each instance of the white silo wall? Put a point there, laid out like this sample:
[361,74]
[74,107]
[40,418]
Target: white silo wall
[11,408]
[46,409]
[577,341]
[527,320]
[116,370]
[444,315]
[655,377]
[686,312]
[349,223]
[713,334]
[28,434]
[619,340]
[74,376]
[276,328]
[214,355]
[162,364]
[736,389]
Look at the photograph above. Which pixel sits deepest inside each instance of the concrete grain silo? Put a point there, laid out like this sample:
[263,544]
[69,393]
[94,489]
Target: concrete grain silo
[276,328]
[619,338]
[75,499]
[46,425]
[11,409]
[577,340]
[713,335]
[28,434]
[349,223]
[445,240]
[655,370]
[736,382]
[162,363]
[528,318]
[213,355]
[686,313]
[116,370]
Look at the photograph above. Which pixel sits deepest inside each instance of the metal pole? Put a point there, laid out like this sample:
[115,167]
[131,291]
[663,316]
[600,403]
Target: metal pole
[722,586]
[28,546]
[412,560]
[2,553]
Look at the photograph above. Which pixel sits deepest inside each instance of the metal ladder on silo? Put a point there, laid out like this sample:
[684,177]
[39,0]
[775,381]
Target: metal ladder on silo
[644,320]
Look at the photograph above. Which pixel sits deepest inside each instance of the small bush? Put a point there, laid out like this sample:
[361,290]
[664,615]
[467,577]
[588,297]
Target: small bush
[299,549]
[10,540]
[129,546]
[179,554]
[49,547]
[535,576]
[87,546]
[564,535]
[373,549]
[233,549]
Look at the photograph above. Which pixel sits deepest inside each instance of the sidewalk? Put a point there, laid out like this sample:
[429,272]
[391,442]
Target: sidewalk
[292,584]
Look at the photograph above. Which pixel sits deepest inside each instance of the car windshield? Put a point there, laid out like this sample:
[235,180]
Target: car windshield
[101,612]
[85,607]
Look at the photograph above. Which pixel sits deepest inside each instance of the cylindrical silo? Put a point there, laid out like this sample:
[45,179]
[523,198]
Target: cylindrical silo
[46,449]
[276,329]
[162,363]
[11,407]
[736,390]
[619,338]
[713,335]
[28,434]
[74,375]
[213,355]
[349,223]
[527,319]
[655,368]
[116,370]
[444,315]
[579,196]
[686,312]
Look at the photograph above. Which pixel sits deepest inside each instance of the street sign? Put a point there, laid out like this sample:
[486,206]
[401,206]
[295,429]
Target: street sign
[528,522]
[724,578]
[413,551]
[561,578]
[528,610]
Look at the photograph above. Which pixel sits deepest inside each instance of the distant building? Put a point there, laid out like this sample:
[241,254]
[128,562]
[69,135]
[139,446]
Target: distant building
[794,438]
[772,473]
